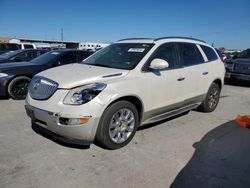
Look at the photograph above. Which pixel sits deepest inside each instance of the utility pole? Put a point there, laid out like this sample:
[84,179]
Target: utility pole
[62,34]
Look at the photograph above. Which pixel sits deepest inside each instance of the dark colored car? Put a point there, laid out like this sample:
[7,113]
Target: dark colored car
[15,76]
[238,68]
[21,55]
[6,47]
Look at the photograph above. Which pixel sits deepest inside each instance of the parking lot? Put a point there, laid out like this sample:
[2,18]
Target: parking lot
[193,150]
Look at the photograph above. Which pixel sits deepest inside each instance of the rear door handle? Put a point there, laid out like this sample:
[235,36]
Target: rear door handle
[181,78]
[204,73]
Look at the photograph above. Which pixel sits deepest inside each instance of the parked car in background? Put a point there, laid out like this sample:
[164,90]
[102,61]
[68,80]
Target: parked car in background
[6,47]
[15,76]
[238,68]
[28,46]
[21,55]
[129,83]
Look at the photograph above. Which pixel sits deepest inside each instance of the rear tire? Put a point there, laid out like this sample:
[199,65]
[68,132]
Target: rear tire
[212,99]
[118,125]
[18,87]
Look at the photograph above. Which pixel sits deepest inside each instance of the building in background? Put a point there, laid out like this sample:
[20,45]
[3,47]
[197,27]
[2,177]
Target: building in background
[91,46]
[40,43]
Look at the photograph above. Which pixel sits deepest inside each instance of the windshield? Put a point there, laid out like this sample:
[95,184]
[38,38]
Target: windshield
[244,54]
[45,58]
[9,54]
[119,55]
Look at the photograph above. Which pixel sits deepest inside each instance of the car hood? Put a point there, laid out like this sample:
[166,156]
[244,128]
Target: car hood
[13,65]
[242,61]
[73,75]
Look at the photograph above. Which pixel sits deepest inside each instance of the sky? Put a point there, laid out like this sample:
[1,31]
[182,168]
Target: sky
[224,23]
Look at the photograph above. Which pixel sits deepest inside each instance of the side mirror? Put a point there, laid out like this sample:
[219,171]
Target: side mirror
[158,64]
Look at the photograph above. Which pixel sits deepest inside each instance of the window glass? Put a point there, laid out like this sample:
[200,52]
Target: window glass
[190,54]
[31,54]
[119,55]
[28,46]
[47,57]
[168,53]
[83,55]
[211,55]
[68,58]
[12,46]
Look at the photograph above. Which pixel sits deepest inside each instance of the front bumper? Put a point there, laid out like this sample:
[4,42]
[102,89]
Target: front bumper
[83,134]
[3,86]
[237,76]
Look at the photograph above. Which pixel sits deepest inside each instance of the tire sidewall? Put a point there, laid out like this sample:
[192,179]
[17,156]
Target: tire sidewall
[103,129]
[214,85]
[13,82]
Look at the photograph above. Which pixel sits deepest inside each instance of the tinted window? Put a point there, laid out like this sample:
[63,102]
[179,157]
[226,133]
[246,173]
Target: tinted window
[119,55]
[28,46]
[12,46]
[211,55]
[10,54]
[83,55]
[47,57]
[68,58]
[168,53]
[244,54]
[190,54]
[2,47]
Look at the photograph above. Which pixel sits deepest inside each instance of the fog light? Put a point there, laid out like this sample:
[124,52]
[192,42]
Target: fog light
[72,121]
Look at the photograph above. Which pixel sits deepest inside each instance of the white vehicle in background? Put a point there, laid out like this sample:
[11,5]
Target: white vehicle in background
[28,46]
[130,83]
[91,46]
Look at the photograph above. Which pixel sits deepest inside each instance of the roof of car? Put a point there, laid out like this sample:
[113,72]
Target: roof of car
[153,40]
[65,50]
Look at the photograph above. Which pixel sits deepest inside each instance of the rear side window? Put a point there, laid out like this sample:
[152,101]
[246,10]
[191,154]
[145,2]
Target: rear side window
[190,54]
[28,46]
[83,55]
[12,46]
[68,58]
[211,55]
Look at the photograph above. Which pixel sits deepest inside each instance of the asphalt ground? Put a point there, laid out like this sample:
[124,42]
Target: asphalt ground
[193,150]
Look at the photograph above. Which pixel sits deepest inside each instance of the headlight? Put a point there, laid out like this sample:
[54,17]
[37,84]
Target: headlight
[3,75]
[83,94]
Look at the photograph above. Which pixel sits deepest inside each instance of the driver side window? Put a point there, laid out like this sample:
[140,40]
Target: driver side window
[168,53]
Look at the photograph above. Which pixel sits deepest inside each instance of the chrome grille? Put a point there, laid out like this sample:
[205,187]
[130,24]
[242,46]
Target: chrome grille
[42,88]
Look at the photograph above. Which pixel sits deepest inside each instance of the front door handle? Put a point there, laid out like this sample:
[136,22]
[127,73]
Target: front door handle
[204,73]
[181,78]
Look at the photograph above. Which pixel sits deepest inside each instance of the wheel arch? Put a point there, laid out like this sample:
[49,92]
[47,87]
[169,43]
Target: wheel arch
[219,82]
[135,100]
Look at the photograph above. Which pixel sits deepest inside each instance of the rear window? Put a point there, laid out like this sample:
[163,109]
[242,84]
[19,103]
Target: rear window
[28,46]
[211,55]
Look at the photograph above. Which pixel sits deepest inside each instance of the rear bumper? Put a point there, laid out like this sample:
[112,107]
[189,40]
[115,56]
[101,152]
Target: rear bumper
[237,76]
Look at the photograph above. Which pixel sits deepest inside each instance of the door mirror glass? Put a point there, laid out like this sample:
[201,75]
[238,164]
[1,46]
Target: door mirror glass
[158,64]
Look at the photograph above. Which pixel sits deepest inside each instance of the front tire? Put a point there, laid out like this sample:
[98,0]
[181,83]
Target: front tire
[118,125]
[18,87]
[212,99]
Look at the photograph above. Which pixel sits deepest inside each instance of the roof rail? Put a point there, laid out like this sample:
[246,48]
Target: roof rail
[136,39]
[173,37]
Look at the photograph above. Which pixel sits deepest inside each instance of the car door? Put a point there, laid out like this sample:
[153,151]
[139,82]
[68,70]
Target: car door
[195,72]
[165,87]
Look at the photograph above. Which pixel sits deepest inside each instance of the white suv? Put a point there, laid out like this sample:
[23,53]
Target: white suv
[127,84]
